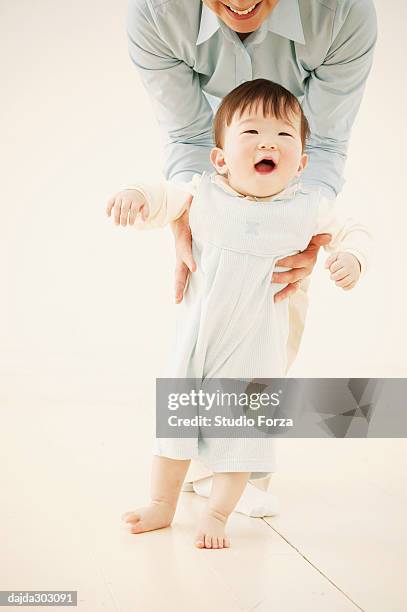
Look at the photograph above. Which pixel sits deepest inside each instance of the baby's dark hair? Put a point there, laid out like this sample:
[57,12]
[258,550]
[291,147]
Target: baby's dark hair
[275,99]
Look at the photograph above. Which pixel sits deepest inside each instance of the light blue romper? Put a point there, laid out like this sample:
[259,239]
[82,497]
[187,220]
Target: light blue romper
[228,325]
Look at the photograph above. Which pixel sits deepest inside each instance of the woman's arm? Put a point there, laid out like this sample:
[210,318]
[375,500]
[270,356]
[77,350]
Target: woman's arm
[184,115]
[332,98]
[334,92]
[183,112]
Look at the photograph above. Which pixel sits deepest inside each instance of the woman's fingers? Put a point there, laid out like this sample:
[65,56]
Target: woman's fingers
[189,261]
[181,276]
[291,276]
[286,292]
[185,264]
[183,247]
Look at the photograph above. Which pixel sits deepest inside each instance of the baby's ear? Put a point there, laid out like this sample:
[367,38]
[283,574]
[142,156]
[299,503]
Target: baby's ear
[218,160]
[303,163]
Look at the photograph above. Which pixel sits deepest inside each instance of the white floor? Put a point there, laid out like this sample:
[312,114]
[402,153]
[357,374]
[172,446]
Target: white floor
[69,471]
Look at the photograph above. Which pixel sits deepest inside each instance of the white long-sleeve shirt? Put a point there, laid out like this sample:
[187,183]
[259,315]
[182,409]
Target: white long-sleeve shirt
[167,202]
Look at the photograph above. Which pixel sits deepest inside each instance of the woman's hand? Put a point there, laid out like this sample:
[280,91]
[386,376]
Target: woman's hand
[126,205]
[183,250]
[301,266]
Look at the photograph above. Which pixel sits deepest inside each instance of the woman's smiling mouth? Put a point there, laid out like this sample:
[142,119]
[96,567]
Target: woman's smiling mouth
[242,14]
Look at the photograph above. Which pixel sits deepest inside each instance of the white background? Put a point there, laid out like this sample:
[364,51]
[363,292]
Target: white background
[87,310]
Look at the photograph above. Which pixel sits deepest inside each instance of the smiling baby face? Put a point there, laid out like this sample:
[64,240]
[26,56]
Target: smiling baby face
[260,151]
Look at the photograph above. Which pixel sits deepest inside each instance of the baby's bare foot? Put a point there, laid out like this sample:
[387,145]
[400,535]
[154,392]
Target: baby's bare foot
[157,515]
[211,530]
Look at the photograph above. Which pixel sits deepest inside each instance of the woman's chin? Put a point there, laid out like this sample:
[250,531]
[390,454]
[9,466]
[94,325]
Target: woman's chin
[243,27]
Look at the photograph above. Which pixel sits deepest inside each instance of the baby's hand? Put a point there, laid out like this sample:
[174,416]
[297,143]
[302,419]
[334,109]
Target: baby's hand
[128,204]
[344,269]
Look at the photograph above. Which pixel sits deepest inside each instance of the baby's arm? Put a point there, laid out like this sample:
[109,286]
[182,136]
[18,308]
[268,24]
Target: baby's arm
[148,206]
[349,247]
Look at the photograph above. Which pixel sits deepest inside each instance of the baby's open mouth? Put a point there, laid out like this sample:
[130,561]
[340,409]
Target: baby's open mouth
[265,166]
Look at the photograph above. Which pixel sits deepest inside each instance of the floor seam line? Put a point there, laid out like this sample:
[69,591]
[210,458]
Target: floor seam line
[313,565]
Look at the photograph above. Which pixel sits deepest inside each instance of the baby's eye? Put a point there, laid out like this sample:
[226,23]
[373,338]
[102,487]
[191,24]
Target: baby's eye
[250,132]
[284,134]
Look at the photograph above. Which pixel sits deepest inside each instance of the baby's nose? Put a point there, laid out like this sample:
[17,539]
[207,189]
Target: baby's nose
[268,145]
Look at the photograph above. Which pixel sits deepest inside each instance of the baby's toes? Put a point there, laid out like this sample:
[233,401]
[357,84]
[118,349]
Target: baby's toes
[216,542]
[200,541]
[208,541]
[130,517]
[137,527]
[226,542]
[220,542]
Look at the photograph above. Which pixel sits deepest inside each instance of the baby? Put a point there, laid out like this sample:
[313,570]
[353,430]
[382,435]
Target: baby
[248,214]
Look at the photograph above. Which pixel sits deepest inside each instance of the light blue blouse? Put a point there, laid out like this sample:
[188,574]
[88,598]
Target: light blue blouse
[188,59]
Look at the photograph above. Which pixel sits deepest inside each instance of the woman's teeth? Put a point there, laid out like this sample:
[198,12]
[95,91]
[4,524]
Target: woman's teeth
[249,10]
